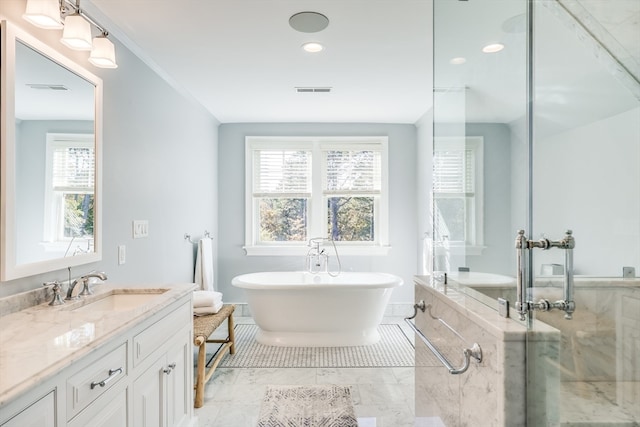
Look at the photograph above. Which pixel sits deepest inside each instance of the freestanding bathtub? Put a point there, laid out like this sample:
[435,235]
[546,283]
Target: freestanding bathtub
[300,309]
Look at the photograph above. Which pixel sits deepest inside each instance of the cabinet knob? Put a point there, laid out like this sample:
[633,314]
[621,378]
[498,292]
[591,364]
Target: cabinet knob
[169,368]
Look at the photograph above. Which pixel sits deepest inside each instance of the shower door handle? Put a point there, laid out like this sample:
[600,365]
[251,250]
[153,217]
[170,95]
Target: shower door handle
[567,304]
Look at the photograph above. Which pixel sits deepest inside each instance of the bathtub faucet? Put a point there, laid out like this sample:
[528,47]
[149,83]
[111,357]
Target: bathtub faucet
[317,259]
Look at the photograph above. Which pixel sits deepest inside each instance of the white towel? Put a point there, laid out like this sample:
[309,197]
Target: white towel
[203,311]
[206,298]
[204,265]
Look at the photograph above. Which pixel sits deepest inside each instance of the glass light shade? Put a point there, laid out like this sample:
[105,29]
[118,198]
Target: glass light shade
[103,53]
[43,14]
[77,33]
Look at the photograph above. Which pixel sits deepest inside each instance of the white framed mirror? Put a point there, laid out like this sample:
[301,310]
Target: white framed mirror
[50,160]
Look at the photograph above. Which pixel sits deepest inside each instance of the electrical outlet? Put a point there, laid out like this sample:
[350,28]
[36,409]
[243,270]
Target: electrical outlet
[140,228]
[122,254]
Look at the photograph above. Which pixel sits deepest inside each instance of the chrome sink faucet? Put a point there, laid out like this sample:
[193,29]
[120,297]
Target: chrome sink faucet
[86,290]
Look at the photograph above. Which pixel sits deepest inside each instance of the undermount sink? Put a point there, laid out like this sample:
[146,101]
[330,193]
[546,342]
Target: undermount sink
[118,300]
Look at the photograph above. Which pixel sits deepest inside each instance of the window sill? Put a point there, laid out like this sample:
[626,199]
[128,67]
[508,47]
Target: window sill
[467,250]
[302,250]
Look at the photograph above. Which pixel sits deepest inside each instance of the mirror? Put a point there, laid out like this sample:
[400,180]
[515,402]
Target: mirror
[51,132]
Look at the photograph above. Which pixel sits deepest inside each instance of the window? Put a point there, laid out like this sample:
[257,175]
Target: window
[69,195]
[457,191]
[299,188]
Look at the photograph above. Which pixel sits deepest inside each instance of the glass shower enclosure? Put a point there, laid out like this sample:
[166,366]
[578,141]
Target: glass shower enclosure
[537,128]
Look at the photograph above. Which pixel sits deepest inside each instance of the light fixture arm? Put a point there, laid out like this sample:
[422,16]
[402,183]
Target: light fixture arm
[68,8]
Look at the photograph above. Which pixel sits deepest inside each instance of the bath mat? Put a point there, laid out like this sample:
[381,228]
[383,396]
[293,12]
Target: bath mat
[393,350]
[306,406]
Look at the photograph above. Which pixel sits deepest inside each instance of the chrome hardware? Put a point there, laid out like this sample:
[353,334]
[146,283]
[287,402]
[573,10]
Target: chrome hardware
[112,374]
[317,259]
[503,307]
[170,368]
[56,287]
[86,290]
[475,351]
[567,304]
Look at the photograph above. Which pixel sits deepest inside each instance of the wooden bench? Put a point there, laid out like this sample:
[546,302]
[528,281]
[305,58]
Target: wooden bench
[203,327]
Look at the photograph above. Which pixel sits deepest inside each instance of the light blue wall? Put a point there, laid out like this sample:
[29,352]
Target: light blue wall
[159,164]
[401,260]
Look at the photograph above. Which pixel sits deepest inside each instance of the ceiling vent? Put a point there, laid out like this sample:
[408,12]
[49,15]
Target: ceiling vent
[47,87]
[313,89]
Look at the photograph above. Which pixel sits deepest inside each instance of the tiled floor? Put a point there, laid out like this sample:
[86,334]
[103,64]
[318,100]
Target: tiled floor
[382,397]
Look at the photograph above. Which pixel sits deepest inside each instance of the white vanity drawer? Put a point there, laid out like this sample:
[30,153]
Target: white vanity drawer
[92,381]
[147,341]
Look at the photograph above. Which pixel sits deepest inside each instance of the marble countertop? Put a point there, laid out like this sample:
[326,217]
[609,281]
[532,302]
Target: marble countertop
[38,342]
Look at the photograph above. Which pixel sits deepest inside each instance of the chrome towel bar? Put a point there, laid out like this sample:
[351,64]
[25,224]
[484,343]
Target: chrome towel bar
[475,351]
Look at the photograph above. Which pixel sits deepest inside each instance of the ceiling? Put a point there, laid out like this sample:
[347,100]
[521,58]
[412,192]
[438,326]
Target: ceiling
[242,61]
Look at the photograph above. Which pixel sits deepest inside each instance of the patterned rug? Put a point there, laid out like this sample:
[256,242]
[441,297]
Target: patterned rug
[393,350]
[306,406]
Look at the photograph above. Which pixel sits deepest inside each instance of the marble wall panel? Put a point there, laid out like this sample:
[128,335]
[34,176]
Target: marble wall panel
[490,393]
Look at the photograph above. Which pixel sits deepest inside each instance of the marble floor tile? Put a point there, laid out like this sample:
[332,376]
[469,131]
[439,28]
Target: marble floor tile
[383,415]
[356,376]
[231,415]
[382,397]
[380,394]
[255,376]
[404,375]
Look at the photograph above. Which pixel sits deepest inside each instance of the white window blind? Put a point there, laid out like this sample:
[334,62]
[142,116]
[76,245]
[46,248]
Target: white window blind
[73,167]
[281,173]
[454,171]
[352,172]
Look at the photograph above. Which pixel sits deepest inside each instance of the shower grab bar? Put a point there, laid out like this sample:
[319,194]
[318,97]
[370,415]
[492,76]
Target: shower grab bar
[475,351]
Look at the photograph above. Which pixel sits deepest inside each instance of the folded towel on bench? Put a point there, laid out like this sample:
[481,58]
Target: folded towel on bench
[206,299]
[203,311]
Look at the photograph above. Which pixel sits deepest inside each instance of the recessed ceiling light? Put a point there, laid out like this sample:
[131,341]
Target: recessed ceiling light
[493,48]
[312,47]
[457,61]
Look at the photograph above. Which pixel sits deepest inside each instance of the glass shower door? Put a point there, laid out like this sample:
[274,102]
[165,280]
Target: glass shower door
[585,152]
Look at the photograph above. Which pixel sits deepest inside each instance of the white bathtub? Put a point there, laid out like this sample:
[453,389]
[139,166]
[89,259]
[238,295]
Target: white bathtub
[299,309]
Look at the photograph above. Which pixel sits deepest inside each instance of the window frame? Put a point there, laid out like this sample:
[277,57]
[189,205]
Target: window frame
[316,205]
[474,222]
[53,233]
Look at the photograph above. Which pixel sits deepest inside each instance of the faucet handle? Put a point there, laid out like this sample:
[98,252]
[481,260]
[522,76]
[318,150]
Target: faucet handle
[56,287]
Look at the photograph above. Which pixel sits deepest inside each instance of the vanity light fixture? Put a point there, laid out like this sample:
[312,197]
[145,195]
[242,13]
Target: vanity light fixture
[77,28]
[77,33]
[312,47]
[43,14]
[103,53]
[457,61]
[493,48]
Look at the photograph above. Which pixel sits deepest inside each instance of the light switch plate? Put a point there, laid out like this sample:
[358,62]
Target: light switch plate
[122,254]
[140,228]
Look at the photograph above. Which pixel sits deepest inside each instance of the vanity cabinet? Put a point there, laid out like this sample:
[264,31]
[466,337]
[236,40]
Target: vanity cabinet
[160,393]
[141,376]
[38,414]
